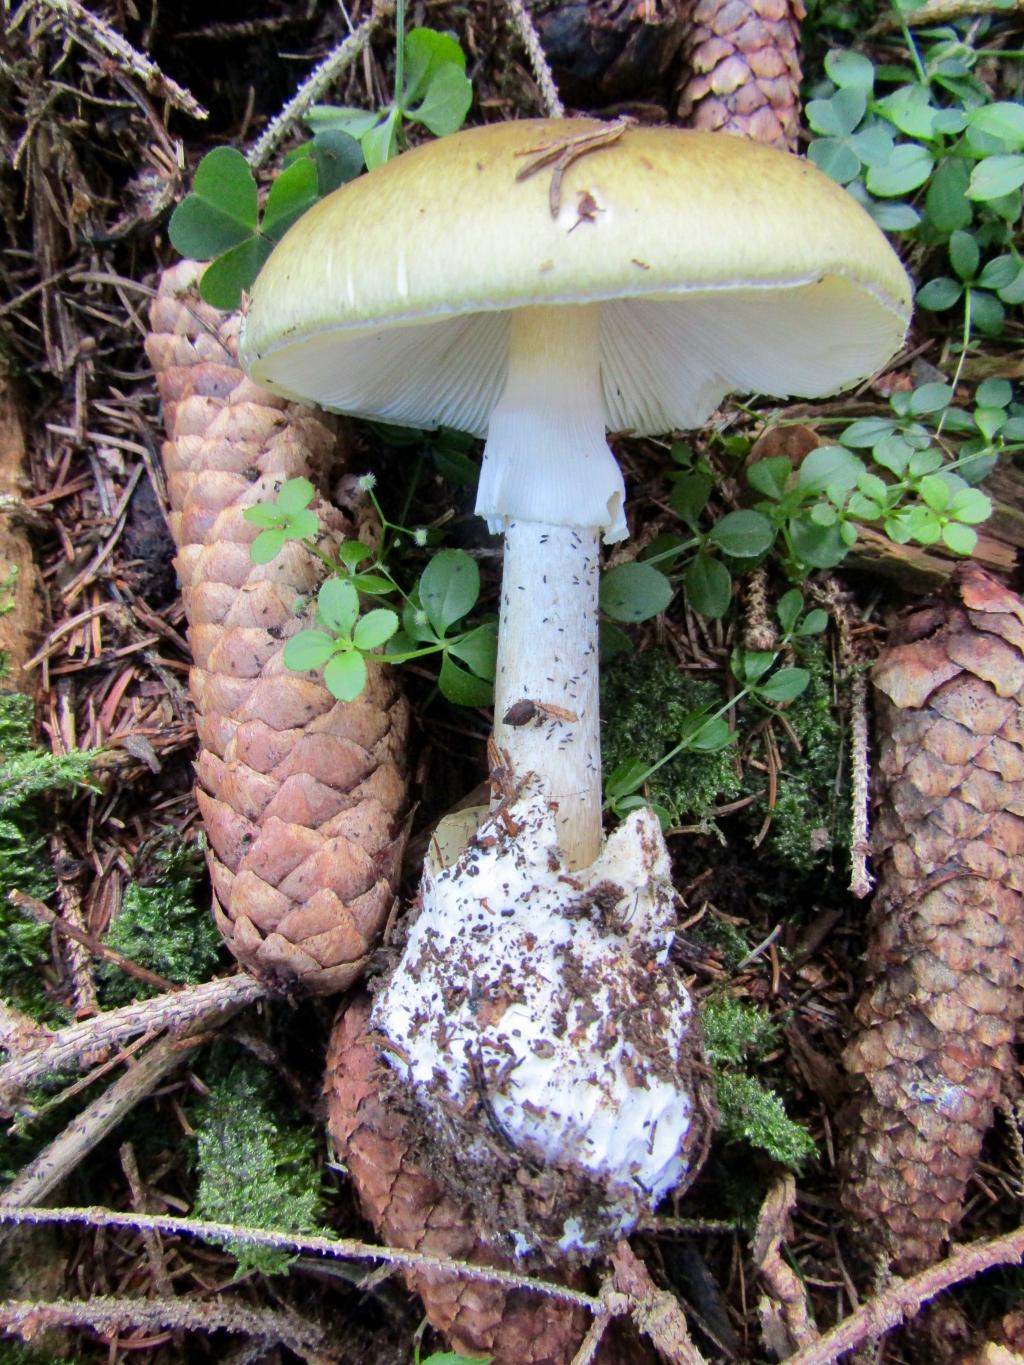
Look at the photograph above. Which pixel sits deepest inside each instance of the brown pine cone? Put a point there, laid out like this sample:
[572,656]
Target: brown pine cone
[744,69]
[411,1211]
[303,796]
[946,929]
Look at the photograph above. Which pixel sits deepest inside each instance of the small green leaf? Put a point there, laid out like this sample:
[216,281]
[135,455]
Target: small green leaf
[960,539]
[381,143]
[338,606]
[770,476]
[996,176]
[427,53]
[294,495]
[964,254]
[1003,120]
[478,649]
[374,628]
[838,116]
[910,109]
[970,505]
[893,453]
[634,592]
[867,432]
[263,514]
[308,649]
[909,166]
[302,525]
[266,546]
[225,278]
[829,467]
[338,158]
[294,191]
[356,122]
[789,607]
[894,217]
[924,462]
[786,685]
[814,622]
[461,687]
[448,588]
[743,535]
[835,158]
[444,107]
[345,675]
[925,527]
[612,641]
[453,1358]
[708,586]
[1012,293]
[689,496]
[987,313]
[373,584]
[939,293]
[626,778]
[928,398]
[748,665]
[946,204]
[353,553]
[999,273]
[221,212]
[816,547]
[850,70]
[935,492]
[994,393]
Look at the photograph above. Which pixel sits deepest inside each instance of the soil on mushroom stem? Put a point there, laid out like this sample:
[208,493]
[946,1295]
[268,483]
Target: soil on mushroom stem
[781,940]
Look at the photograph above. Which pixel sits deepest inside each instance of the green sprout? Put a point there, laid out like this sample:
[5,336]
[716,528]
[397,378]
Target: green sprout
[339,650]
[289,517]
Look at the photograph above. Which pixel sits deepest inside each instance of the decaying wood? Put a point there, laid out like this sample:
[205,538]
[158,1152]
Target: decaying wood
[409,1209]
[20,610]
[786,1323]
[946,930]
[744,69]
[303,796]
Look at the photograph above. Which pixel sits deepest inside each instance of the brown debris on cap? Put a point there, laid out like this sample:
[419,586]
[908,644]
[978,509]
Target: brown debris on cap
[411,1211]
[946,931]
[744,65]
[303,796]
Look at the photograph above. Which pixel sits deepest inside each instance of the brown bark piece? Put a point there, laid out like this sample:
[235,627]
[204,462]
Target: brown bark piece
[20,614]
[411,1211]
[744,69]
[946,930]
[303,796]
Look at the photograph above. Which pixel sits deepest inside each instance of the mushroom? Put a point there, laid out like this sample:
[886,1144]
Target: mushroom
[540,283]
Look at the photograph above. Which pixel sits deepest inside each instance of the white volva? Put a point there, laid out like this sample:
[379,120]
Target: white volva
[544,993]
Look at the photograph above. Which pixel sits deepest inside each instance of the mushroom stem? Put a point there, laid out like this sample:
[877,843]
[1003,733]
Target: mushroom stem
[548,657]
[550,482]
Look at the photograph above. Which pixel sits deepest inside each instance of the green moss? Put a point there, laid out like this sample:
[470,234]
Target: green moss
[736,1035]
[163,926]
[27,772]
[255,1168]
[809,819]
[645,701]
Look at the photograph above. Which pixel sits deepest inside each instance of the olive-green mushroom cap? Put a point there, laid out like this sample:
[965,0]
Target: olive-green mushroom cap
[722,265]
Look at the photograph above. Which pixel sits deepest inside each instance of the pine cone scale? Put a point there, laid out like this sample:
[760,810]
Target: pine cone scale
[947,930]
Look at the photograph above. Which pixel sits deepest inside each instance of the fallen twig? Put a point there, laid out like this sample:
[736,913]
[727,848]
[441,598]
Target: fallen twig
[904,1298]
[71,1046]
[27,1317]
[527,33]
[785,1320]
[337,61]
[89,29]
[342,1248]
[656,1312]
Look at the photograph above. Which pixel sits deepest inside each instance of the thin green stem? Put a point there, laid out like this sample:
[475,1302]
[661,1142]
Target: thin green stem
[399,52]
[915,56]
[963,353]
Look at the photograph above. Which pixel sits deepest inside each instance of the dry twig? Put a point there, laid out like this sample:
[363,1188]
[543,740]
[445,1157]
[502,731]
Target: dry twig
[655,1311]
[27,1317]
[91,31]
[315,84]
[903,1299]
[341,1248]
[74,1045]
[785,1322]
[527,33]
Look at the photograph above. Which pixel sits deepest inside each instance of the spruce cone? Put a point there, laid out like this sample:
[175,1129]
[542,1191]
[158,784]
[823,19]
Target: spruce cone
[744,69]
[411,1211]
[946,930]
[303,796]
[608,51]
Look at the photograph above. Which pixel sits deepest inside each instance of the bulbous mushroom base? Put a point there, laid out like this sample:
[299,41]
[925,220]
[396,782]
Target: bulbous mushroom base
[545,1050]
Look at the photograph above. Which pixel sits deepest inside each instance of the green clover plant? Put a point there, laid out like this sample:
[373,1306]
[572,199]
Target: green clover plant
[339,649]
[220,220]
[932,154]
[706,730]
